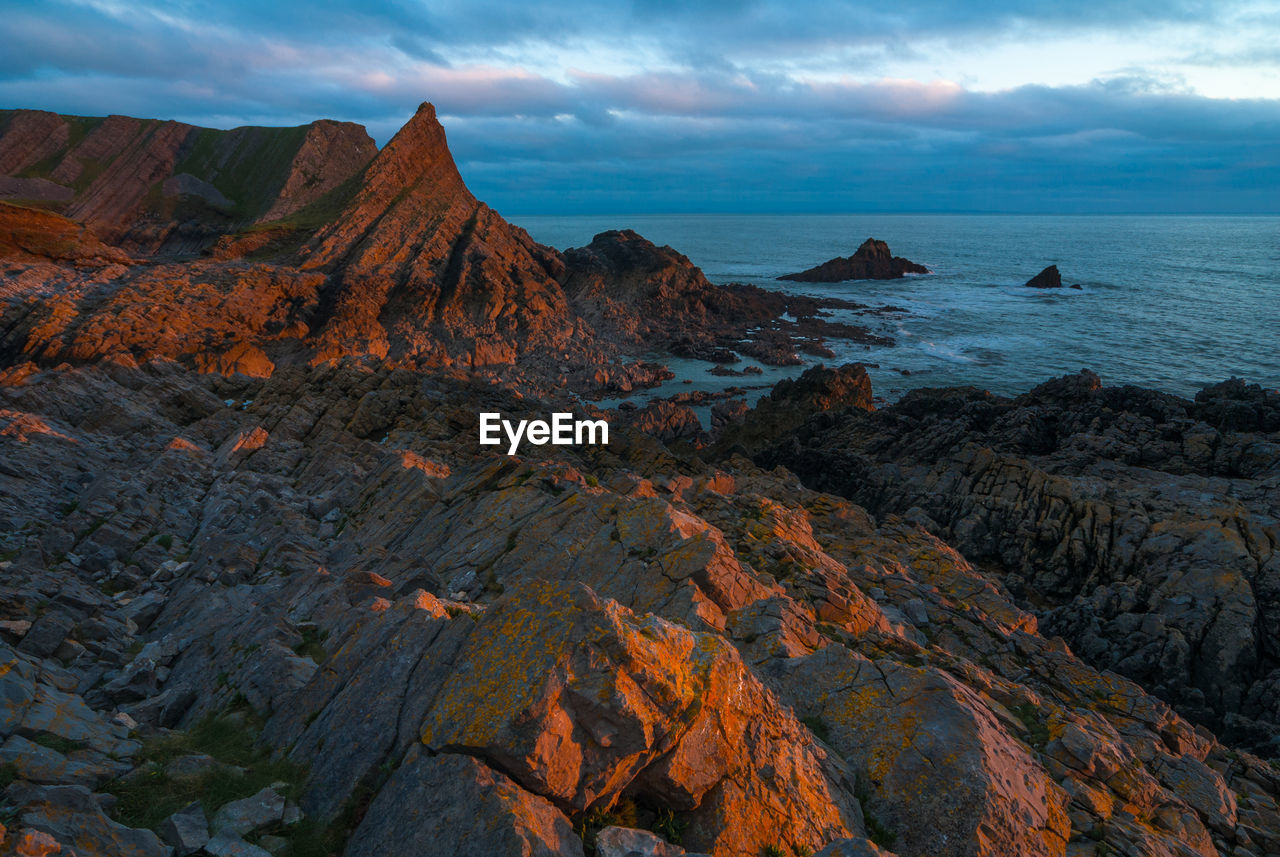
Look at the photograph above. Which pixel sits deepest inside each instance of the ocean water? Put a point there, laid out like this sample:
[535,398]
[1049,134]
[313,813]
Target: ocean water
[1172,303]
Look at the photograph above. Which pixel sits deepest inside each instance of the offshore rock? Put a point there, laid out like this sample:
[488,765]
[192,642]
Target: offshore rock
[1049,278]
[628,288]
[871,261]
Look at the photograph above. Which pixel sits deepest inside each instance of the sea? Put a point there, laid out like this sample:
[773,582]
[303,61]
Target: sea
[1168,302]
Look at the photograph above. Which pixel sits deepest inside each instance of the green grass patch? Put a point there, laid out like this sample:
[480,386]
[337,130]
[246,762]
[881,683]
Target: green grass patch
[310,838]
[247,165]
[165,541]
[78,128]
[492,585]
[627,812]
[8,775]
[312,645]
[624,813]
[113,586]
[669,826]
[1037,729]
[147,798]
[876,831]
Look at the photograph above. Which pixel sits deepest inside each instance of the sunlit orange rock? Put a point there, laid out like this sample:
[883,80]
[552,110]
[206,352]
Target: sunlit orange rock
[580,701]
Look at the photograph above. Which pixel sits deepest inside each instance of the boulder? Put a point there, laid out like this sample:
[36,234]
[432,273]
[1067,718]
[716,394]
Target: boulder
[229,844]
[46,634]
[65,715]
[626,842]
[244,816]
[72,816]
[905,728]
[17,690]
[38,764]
[187,830]
[577,699]
[450,804]
[33,843]
[854,848]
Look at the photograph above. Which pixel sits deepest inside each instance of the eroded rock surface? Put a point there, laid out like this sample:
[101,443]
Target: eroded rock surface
[1143,526]
[262,591]
[153,186]
[571,641]
[320,249]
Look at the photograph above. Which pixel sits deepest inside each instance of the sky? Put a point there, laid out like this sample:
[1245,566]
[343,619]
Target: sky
[574,106]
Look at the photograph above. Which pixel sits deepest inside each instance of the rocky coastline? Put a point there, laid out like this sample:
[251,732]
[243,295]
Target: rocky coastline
[263,593]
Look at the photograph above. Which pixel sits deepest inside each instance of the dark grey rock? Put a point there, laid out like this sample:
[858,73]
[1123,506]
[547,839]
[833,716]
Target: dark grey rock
[446,805]
[46,634]
[853,848]
[627,842]
[228,844]
[249,814]
[186,830]
[73,817]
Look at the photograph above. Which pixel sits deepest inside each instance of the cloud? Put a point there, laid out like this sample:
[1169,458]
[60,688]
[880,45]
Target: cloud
[657,103]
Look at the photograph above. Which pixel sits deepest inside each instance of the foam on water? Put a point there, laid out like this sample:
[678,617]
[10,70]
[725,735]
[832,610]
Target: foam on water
[1167,302]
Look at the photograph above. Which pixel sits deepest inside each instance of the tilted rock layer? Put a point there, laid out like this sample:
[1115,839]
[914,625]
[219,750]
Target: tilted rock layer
[510,655]
[1143,525]
[148,185]
[323,249]
[261,589]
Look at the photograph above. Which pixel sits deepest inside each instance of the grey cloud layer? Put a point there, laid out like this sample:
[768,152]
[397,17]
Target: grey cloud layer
[704,128]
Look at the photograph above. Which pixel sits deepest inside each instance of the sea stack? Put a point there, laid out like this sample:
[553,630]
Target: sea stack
[871,261]
[1049,278]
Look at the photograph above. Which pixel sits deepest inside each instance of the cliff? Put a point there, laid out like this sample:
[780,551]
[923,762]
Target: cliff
[321,250]
[262,592]
[420,269]
[150,186]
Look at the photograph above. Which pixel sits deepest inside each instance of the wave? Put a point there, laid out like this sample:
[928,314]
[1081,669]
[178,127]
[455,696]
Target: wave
[944,352]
